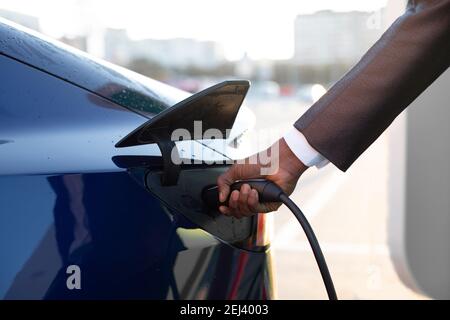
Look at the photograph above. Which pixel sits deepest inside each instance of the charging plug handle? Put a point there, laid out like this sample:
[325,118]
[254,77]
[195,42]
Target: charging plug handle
[267,192]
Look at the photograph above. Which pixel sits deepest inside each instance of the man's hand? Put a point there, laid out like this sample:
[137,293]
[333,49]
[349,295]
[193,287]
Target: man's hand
[245,202]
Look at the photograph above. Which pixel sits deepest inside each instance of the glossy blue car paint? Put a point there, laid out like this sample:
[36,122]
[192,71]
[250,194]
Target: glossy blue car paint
[141,94]
[65,201]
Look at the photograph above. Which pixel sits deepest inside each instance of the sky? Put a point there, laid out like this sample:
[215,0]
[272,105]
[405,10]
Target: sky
[263,29]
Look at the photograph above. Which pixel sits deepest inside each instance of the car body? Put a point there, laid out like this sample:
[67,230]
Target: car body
[70,197]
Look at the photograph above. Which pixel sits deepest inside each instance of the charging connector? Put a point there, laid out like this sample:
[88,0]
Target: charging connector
[270,192]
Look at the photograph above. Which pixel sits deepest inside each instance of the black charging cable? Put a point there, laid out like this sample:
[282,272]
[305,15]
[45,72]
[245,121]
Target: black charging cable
[270,192]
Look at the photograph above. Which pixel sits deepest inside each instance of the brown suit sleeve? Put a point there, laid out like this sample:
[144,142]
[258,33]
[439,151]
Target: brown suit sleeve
[410,55]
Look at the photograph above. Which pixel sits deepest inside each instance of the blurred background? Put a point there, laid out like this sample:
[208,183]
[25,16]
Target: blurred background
[292,51]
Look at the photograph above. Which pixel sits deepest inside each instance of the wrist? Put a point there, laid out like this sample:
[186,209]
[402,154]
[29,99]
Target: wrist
[289,161]
[300,146]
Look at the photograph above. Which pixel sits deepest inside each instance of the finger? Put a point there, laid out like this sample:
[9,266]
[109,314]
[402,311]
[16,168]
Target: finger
[257,207]
[238,215]
[225,210]
[243,198]
[233,202]
[253,201]
[224,181]
[271,206]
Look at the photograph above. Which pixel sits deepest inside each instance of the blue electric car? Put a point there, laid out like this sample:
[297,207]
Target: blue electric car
[87,188]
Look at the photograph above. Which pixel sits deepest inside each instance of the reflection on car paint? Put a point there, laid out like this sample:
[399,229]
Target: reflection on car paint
[127,246]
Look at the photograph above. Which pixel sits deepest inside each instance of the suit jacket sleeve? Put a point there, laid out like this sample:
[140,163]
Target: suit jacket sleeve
[409,56]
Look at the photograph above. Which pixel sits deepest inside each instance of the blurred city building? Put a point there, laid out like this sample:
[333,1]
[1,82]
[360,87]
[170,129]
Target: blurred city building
[79,42]
[20,18]
[328,37]
[173,53]
[327,44]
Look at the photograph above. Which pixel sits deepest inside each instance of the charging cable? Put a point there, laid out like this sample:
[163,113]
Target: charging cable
[270,192]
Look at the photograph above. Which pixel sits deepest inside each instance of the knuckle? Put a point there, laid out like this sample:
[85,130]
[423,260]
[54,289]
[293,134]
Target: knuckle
[252,202]
[222,181]
[254,207]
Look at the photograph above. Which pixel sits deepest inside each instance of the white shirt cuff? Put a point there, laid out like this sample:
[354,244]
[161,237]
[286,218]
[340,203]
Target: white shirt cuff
[303,150]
